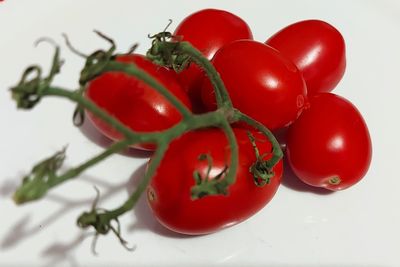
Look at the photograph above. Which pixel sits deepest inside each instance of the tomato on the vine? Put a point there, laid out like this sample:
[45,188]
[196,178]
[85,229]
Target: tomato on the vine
[208,30]
[329,144]
[317,49]
[169,193]
[260,81]
[133,102]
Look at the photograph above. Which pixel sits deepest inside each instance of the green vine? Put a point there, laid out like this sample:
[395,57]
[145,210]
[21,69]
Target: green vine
[167,51]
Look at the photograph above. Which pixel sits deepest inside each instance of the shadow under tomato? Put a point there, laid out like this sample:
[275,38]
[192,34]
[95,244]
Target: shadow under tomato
[290,180]
[95,136]
[143,217]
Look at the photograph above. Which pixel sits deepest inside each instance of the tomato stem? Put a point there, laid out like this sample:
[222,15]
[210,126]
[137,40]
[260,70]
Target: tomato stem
[168,52]
[36,184]
[28,92]
[262,174]
[277,153]
[101,219]
[205,187]
[89,105]
[134,197]
[222,96]
[35,187]
[32,190]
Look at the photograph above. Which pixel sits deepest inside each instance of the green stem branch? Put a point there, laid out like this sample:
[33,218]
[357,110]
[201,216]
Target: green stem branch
[36,186]
[222,97]
[221,94]
[44,175]
[206,187]
[74,172]
[33,189]
[276,148]
[177,55]
[76,97]
[151,169]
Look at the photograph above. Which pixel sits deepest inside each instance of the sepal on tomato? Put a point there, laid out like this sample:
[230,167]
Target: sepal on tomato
[165,52]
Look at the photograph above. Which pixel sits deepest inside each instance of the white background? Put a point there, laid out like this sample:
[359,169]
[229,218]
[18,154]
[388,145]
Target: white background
[300,227]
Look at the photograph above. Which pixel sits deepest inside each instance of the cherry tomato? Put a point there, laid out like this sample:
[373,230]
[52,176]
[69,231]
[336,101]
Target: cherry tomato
[329,144]
[169,193]
[133,102]
[317,49]
[260,81]
[208,30]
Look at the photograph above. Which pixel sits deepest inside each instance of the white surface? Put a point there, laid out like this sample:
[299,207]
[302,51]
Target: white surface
[357,227]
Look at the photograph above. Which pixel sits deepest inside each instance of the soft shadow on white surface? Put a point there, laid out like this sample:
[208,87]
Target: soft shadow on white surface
[59,252]
[23,229]
[8,187]
[63,252]
[362,223]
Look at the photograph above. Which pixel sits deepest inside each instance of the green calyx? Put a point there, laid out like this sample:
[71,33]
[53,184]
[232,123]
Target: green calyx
[167,53]
[261,173]
[28,92]
[97,61]
[100,220]
[43,174]
[261,170]
[206,186]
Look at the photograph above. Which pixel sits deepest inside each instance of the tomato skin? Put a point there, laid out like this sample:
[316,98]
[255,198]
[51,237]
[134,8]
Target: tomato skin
[208,30]
[169,192]
[260,81]
[133,102]
[317,49]
[329,139]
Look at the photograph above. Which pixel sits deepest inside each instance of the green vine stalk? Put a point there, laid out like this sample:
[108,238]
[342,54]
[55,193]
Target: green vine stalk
[165,51]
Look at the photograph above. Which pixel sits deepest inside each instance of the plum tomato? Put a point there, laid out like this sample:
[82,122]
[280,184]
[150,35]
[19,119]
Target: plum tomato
[260,81]
[317,49]
[207,30]
[169,194]
[134,103]
[329,145]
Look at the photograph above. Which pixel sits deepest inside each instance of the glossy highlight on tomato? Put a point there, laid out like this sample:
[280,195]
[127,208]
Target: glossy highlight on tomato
[169,192]
[208,30]
[317,49]
[329,145]
[260,81]
[133,102]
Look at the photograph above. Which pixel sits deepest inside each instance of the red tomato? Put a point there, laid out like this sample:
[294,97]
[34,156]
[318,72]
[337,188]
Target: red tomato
[317,49]
[329,144]
[133,102]
[208,30]
[169,193]
[260,81]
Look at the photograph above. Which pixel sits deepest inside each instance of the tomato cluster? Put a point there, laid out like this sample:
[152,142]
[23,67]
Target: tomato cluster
[283,83]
